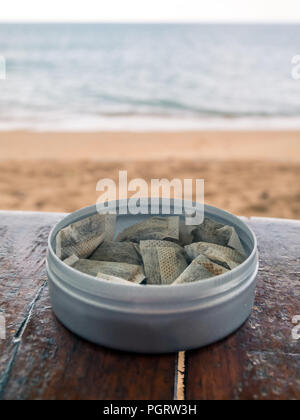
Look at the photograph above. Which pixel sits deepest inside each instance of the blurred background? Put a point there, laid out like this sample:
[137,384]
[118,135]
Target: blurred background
[163,89]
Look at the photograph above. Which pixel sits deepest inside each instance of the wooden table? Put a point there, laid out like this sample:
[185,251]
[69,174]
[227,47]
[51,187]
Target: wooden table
[40,359]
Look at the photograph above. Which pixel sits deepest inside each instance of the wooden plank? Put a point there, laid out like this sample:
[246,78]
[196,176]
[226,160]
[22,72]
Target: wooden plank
[40,359]
[261,360]
[22,275]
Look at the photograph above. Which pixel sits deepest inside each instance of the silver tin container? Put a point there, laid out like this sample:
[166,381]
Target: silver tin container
[153,319]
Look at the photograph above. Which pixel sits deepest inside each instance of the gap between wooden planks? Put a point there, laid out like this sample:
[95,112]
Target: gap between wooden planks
[179,387]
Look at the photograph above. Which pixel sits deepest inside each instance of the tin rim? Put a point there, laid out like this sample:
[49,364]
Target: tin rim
[94,286]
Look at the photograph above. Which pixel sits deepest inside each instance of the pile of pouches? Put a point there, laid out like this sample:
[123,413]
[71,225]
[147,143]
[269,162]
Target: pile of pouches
[157,251]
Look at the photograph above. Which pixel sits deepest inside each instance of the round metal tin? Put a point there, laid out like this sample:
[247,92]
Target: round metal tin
[153,319]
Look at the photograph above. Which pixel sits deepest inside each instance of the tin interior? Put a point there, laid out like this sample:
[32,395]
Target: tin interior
[126,220]
[155,293]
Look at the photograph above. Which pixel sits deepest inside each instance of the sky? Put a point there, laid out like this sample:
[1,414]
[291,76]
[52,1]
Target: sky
[150,11]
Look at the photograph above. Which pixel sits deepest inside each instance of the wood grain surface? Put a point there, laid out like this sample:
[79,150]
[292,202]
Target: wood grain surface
[261,360]
[40,359]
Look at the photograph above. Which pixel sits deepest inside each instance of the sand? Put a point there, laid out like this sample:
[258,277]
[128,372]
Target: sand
[220,146]
[247,173]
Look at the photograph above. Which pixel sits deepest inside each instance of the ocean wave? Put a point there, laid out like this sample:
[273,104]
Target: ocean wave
[151,124]
[143,78]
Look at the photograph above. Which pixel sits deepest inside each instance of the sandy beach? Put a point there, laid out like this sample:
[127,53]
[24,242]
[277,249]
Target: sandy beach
[247,173]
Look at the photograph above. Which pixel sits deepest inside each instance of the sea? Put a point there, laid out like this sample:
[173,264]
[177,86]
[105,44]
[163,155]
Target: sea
[149,77]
